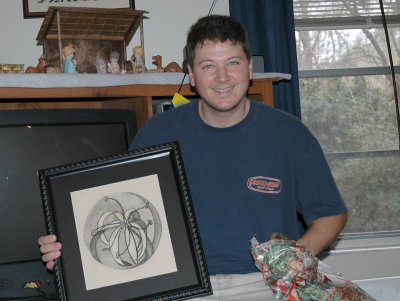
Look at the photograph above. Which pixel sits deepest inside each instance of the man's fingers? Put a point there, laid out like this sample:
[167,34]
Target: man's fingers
[50,248]
[47,239]
[50,265]
[51,256]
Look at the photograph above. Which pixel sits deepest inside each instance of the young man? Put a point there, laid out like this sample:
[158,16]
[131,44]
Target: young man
[251,169]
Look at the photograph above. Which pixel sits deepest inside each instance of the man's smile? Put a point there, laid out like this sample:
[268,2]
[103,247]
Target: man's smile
[223,90]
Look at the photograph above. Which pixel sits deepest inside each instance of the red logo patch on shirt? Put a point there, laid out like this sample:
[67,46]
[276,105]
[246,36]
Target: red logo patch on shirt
[264,184]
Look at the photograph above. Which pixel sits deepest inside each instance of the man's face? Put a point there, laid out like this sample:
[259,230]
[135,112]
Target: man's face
[221,73]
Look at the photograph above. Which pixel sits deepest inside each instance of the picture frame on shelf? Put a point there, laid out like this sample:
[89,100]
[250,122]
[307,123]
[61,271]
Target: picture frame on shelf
[127,226]
[38,8]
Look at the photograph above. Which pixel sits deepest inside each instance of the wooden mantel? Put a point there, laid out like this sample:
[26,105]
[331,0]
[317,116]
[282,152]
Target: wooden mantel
[135,95]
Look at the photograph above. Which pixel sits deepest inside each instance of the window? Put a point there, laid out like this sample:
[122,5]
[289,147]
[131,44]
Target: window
[348,101]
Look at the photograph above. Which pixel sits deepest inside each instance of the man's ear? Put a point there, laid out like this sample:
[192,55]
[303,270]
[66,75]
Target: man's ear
[191,77]
[251,69]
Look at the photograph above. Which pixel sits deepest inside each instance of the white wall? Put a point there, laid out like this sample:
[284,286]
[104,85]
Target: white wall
[164,30]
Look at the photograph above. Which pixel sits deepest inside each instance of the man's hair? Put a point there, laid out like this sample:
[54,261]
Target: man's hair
[216,28]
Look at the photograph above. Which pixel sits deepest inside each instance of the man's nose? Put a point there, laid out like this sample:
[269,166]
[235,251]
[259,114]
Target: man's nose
[222,73]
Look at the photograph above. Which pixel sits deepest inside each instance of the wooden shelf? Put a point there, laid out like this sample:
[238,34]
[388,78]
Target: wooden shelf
[138,98]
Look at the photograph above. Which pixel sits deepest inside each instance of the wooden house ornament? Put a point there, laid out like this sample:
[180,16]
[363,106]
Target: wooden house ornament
[94,33]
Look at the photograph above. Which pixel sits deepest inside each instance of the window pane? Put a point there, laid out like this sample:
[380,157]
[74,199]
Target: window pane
[352,48]
[394,40]
[370,188]
[350,113]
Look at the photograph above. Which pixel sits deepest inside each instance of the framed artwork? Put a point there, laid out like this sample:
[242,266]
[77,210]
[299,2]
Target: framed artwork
[127,226]
[38,8]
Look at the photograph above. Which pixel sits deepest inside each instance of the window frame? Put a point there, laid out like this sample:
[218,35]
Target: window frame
[343,23]
[377,250]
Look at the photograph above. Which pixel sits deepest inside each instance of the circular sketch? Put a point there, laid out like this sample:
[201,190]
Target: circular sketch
[122,230]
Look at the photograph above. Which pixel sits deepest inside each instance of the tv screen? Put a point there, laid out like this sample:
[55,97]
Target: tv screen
[38,139]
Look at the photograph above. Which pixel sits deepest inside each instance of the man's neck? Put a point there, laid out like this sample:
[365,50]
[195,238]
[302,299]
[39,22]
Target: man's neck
[223,119]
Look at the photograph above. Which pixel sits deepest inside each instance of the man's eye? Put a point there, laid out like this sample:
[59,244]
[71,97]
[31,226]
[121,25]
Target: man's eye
[233,63]
[208,66]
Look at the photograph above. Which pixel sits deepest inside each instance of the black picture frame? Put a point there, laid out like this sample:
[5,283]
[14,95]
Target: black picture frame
[139,199]
[38,8]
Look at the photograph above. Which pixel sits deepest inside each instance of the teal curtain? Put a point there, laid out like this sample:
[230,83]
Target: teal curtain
[270,24]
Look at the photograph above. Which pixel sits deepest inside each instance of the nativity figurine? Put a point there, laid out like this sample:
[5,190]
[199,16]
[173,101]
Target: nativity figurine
[113,65]
[69,59]
[40,67]
[171,67]
[101,66]
[137,60]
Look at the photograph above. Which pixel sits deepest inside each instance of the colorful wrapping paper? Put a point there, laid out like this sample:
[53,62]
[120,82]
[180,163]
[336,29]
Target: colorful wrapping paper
[291,271]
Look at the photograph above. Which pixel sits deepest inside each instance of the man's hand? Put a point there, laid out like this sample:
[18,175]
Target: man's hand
[50,248]
[322,232]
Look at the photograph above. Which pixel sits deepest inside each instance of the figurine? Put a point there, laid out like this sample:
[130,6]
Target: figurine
[137,60]
[40,68]
[171,67]
[101,66]
[113,66]
[69,60]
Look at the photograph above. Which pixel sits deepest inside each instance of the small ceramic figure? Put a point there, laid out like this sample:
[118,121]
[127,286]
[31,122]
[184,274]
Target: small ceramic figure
[113,66]
[69,60]
[137,60]
[101,66]
[40,68]
[171,67]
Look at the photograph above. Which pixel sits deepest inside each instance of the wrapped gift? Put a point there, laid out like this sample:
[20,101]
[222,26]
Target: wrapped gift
[291,272]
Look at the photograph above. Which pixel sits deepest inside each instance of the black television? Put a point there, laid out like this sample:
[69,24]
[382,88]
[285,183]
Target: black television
[36,139]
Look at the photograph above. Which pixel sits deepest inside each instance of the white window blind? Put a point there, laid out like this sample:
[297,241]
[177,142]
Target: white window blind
[345,14]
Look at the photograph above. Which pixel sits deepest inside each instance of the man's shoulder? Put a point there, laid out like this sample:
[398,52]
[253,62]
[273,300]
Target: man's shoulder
[275,114]
[281,123]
